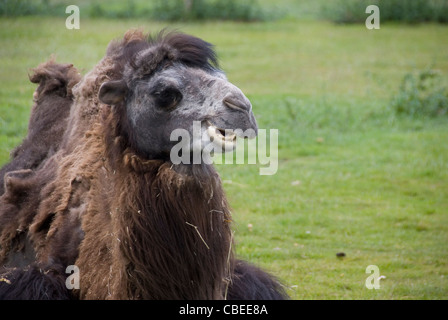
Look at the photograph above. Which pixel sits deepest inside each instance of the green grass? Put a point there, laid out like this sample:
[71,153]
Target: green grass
[353,176]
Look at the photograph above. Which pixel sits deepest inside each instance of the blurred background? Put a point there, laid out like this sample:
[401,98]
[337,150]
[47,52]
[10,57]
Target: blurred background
[362,118]
[340,11]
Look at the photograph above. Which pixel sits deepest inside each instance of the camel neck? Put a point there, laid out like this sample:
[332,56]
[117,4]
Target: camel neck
[174,231]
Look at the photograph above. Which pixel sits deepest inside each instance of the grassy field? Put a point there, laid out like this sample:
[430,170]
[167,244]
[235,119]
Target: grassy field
[353,177]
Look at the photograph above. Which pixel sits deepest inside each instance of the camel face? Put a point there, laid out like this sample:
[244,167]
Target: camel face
[200,102]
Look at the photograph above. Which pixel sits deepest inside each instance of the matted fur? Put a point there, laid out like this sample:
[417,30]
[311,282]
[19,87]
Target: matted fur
[52,101]
[19,182]
[136,228]
[165,235]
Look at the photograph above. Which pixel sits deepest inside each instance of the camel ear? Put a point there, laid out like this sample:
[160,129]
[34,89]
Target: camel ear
[112,92]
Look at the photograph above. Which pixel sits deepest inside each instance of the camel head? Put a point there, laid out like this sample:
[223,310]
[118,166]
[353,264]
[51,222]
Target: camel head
[173,83]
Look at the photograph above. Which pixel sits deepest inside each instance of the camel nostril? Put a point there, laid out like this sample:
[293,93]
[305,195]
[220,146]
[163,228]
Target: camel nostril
[237,104]
[222,132]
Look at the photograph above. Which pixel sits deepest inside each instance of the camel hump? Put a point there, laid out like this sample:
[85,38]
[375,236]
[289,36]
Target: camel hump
[54,78]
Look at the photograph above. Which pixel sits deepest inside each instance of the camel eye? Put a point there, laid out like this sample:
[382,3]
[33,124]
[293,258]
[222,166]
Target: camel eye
[167,98]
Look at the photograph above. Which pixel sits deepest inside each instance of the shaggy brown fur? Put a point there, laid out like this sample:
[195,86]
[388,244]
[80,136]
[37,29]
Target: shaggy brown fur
[164,235]
[30,169]
[52,100]
[136,228]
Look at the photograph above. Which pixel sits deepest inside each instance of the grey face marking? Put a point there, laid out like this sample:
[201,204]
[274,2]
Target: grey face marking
[176,97]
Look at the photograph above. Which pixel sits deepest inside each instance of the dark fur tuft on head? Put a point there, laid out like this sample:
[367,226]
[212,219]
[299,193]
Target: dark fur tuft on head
[191,51]
[137,56]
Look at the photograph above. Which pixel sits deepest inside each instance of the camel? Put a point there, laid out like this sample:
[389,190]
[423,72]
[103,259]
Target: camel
[111,202]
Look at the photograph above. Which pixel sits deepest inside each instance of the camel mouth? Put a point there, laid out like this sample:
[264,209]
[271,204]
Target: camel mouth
[225,139]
